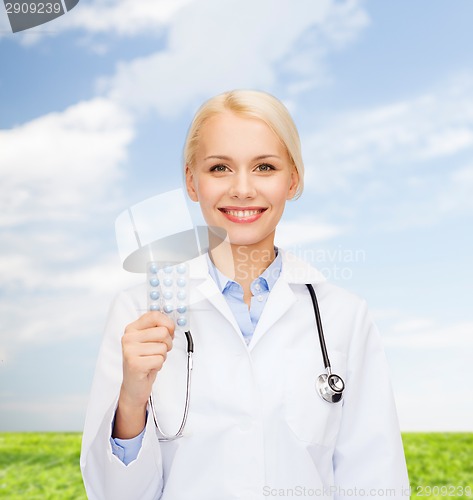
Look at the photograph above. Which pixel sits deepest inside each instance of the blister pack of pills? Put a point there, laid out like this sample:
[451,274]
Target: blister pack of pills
[168,289]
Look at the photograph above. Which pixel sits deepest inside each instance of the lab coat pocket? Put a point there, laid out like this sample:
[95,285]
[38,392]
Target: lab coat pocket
[310,418]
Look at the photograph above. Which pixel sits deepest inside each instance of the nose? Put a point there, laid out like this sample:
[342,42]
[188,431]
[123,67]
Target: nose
[242,186]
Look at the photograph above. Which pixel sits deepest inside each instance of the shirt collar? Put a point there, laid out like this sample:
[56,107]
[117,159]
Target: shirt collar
[270,275]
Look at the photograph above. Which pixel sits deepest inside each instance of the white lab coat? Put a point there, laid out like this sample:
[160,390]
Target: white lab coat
[257,428]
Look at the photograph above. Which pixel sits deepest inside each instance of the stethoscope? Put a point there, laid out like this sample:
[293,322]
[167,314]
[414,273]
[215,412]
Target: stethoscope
[329,385]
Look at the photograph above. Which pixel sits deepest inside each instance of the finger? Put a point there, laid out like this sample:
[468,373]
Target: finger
[147,349]
[145,365]
[152,319]
[151,335]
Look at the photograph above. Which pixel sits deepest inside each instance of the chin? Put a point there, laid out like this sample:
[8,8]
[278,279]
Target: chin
[248,239]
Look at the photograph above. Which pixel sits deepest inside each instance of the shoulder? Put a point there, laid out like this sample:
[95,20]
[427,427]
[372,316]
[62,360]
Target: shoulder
[130,302]
[298,273]
[330,292]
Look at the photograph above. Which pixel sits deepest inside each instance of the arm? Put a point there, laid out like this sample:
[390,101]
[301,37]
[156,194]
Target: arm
[105,475]
[369,453]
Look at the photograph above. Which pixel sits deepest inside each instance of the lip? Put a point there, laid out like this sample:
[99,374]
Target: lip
[242,215]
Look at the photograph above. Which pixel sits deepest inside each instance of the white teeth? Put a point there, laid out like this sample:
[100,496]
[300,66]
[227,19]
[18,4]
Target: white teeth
[243,213]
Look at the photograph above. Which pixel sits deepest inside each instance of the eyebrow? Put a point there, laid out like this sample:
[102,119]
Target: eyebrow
[228,158]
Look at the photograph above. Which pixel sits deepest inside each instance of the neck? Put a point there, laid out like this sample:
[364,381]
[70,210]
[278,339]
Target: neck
[243,263]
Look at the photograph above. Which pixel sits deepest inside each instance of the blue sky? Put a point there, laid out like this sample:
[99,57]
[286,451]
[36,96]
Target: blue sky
[94,107]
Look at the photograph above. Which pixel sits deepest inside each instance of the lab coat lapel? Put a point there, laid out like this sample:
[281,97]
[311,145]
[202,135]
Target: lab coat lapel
[282,296]
[207,289]
[280,300]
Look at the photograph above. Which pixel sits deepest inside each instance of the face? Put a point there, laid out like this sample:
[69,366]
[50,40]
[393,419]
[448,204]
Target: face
[242,177]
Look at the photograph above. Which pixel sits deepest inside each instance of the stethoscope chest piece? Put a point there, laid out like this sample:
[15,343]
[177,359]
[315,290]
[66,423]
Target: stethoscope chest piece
[330,387]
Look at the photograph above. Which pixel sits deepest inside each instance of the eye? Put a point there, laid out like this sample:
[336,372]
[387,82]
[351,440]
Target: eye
[219,168]
[265,167]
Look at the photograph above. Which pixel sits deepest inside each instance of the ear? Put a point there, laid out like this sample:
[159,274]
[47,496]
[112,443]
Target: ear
[294,183]
[190,184]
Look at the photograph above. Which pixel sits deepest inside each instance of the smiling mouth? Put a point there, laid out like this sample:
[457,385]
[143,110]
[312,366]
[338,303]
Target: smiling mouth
[241,214]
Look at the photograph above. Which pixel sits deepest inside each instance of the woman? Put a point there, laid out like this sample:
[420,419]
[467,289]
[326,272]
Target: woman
[257,427]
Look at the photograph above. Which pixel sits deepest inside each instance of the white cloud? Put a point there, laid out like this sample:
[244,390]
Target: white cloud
[122,17]
[46,304]
[429,362]
[426,379]
[59,182]
[426,334]
[413,325]
[463,175]
[206,54]
[112,17]
[32,270]
[385,314]
[456,194]
[46,412]
[54,166]
[428,198]
[262,31]
[302,231]
[396,136]
[435,407]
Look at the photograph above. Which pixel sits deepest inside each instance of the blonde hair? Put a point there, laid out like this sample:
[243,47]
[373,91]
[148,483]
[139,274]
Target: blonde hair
[250,104]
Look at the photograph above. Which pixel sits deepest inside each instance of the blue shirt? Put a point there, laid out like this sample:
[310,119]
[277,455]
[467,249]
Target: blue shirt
[247,318]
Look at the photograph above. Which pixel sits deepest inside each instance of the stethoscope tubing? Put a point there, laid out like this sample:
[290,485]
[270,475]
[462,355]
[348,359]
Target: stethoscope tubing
[329,385]
[326,387]
[320,330]
[171,437]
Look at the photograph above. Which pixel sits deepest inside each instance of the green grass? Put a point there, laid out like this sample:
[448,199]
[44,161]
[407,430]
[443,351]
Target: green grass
[42,466]
[440,464]
[46,465]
